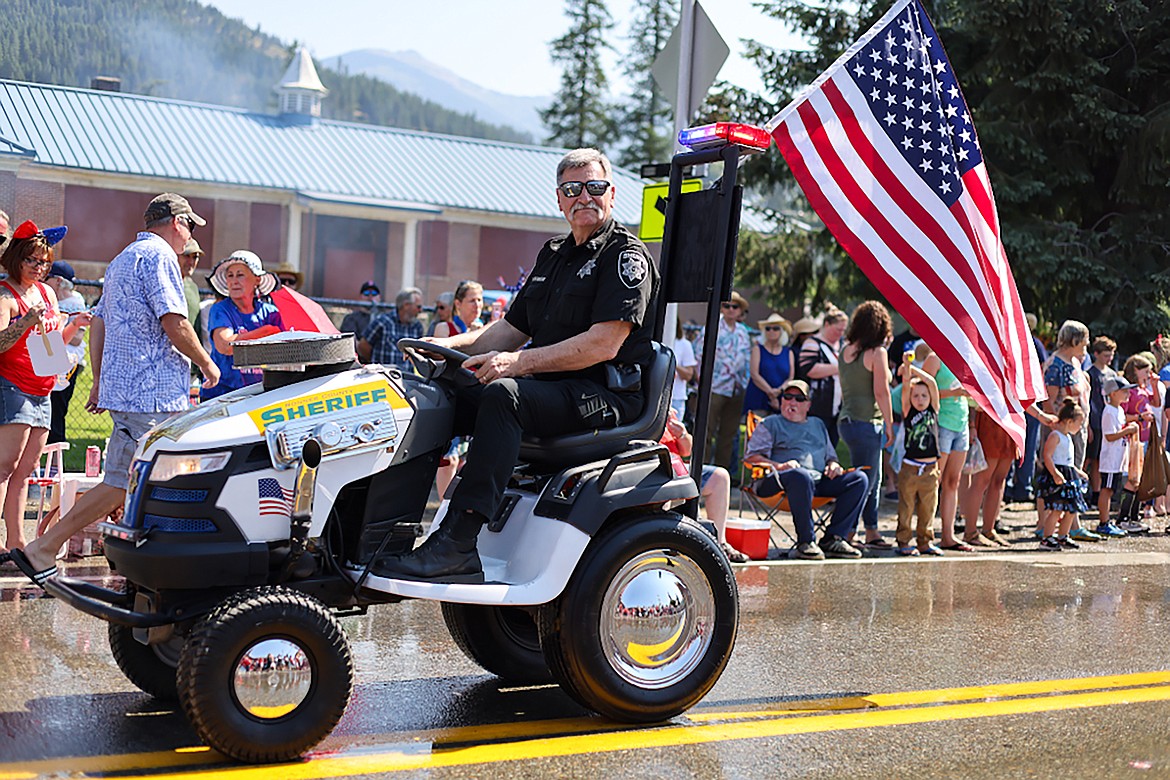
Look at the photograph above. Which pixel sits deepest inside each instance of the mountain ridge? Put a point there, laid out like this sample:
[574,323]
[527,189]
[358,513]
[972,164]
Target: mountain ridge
[411,72]
[185,50]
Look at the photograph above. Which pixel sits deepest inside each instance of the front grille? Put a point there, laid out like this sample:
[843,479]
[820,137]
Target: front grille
[176,496]
[179,525]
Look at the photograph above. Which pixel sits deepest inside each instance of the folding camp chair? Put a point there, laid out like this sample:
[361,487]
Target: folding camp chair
[773,506]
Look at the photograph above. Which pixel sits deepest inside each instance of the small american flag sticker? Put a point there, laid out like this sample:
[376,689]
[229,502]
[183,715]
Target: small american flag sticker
[274,499]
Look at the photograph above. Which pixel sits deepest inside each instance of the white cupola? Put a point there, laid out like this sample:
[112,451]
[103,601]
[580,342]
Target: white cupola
[301,89]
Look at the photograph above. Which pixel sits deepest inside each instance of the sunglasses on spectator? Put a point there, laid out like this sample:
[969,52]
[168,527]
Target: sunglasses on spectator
[772,328]
[731,305]
[190,223]
[288,280]
[35,262]
[799,397]
[572,189]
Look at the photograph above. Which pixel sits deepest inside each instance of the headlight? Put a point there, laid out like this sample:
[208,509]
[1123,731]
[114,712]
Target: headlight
[167,467]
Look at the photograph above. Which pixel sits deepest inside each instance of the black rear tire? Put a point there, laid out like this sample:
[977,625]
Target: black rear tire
[502,640]
[266,675]
[660,579]
[144,665]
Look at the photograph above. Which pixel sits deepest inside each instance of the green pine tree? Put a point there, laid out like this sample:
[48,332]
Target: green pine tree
[582,114]
[646,120]
[1070,101]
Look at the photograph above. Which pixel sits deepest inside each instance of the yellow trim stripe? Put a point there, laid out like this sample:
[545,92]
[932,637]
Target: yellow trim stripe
[422,750]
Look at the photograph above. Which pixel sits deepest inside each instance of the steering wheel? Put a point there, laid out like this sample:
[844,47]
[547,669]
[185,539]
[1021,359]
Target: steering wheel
[451,364]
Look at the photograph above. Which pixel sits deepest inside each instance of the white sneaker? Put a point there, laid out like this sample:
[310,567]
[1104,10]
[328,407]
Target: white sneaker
[1133,527]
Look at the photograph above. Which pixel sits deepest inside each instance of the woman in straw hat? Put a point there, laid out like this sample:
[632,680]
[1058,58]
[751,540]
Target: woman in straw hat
[771,365]
[288,276]
[240,278]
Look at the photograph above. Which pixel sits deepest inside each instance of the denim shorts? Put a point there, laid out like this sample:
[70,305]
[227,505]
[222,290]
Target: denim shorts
[953,441]
[19,408]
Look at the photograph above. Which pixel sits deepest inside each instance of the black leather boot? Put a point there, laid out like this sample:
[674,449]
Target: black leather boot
[441,558]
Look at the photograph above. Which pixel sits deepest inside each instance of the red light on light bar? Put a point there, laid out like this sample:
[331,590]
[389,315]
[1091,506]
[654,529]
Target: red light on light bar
[724,133]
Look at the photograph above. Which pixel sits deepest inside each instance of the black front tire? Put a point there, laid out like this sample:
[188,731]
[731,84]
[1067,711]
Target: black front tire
[143,665]
[217,655]
[647,622]
[502,640]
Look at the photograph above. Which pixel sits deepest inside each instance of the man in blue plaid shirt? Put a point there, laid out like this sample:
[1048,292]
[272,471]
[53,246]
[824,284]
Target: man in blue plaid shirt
[379,344]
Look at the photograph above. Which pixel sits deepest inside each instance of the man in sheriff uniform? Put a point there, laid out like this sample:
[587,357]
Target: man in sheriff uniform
[586,313]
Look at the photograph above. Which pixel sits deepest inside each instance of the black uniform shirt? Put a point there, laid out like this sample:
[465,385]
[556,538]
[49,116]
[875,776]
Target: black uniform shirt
[609,278]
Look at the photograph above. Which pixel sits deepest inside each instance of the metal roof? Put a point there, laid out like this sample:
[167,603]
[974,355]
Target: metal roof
[120,133]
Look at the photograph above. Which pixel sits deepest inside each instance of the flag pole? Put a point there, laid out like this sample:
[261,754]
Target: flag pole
[683,111]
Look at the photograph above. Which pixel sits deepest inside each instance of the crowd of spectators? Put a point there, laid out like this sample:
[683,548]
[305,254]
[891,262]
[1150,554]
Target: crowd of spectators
[934,450]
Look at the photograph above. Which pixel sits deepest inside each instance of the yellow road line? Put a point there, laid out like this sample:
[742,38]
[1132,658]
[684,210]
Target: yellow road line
[122,762]
[422,755]
[945,695]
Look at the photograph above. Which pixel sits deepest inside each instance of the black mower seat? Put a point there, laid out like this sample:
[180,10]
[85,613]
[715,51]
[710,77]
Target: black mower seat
[598,444]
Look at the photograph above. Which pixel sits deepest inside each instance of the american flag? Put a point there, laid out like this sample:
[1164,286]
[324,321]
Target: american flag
[884,148]
[274,499]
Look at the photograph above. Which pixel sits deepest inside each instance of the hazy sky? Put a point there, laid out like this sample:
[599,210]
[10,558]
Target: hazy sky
[501,45]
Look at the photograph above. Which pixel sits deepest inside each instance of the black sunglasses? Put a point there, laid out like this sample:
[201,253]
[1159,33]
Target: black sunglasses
[730,305]
[801,397]
[771,327]
[190,224]
[572,189]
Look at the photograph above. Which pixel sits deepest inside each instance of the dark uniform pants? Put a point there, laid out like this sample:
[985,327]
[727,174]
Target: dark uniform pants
[497,414]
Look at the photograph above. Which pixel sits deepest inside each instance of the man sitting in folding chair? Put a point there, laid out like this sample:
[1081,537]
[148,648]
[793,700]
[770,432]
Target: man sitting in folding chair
[803,463]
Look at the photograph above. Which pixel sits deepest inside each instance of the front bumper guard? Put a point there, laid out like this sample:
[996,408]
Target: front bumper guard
[106,604]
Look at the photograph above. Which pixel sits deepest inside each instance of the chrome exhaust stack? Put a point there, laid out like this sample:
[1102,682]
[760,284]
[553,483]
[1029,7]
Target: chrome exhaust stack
[302,512]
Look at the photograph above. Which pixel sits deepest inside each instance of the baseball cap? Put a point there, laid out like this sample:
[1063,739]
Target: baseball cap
[796,384]
[1111,384]
[62,269]
[370,288]
[192,247]
[169,204]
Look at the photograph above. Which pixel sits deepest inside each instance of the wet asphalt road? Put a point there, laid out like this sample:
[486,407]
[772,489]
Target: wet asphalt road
[841,670]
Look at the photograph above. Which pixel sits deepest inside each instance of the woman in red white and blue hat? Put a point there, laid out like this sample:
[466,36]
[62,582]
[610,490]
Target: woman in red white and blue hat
[25,304]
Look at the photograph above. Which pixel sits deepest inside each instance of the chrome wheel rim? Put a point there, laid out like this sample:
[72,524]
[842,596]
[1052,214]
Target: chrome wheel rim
[657,619]
[272,678]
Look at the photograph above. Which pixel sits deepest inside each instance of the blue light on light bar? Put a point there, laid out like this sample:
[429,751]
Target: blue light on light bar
[723,133]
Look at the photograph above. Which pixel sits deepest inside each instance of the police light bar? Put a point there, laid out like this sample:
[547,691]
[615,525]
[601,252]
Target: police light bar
[723,134]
